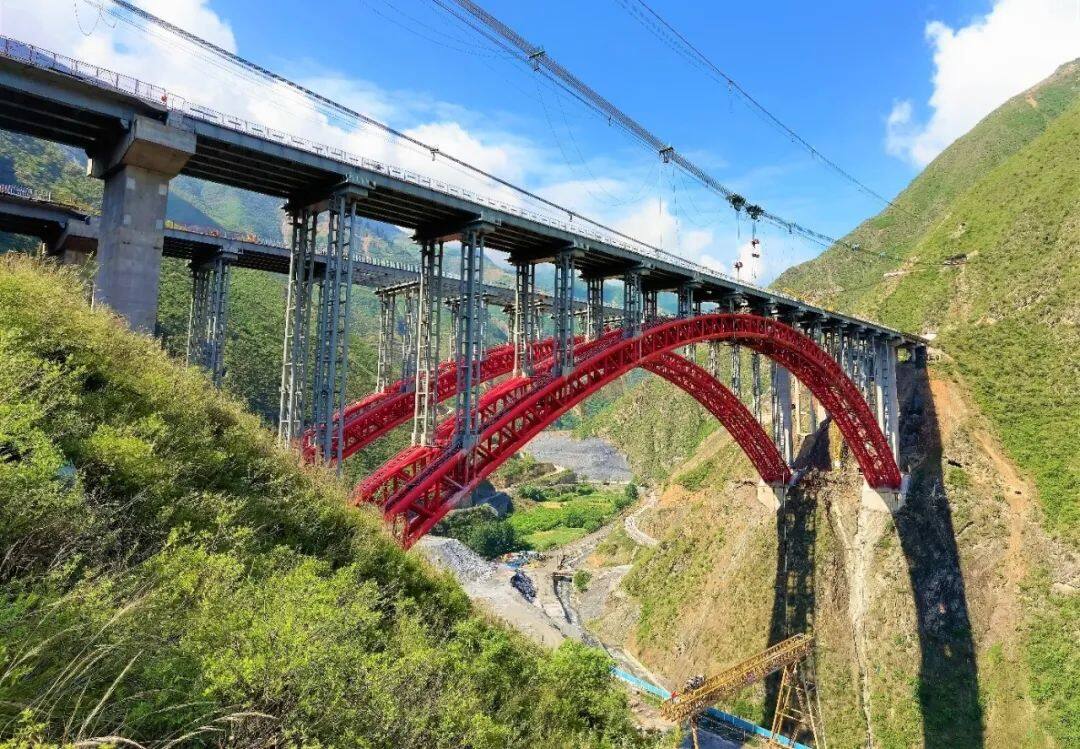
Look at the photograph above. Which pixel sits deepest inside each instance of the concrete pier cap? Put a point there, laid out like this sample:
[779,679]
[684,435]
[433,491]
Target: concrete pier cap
[886,500]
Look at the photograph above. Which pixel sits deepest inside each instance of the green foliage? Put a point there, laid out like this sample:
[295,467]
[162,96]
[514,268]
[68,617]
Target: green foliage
[630,493]
[481,530]
[563,513]
[1053,654]
[168,574]
[582,578]
[697,477]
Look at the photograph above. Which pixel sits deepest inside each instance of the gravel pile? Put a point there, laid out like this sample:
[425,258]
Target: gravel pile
[450,554]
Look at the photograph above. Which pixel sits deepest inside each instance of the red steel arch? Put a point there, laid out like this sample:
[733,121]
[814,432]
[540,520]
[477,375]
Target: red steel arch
[373,416]
[423,493]
[381,485]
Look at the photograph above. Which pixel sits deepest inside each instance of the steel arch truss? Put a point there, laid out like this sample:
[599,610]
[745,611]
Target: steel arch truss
[424,489]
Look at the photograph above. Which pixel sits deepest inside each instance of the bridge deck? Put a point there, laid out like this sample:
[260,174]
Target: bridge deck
[71,102]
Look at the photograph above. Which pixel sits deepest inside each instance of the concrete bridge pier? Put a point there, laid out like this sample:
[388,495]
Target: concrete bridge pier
[207,321]
[136,172]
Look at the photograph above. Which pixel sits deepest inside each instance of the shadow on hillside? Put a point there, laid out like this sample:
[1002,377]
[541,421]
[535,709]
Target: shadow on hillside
[948,677]
[948,687]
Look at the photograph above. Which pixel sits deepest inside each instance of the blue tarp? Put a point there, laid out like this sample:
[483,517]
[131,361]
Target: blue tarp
[717,715]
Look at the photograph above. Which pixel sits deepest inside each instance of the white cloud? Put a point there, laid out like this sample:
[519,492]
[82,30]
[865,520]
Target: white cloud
[979,66]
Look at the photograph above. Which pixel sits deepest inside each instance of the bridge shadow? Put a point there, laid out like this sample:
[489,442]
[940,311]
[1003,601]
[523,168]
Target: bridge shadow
[948,687]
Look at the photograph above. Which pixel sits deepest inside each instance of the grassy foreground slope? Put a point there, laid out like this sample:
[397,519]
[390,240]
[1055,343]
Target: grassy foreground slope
[1003,202]
[168,574]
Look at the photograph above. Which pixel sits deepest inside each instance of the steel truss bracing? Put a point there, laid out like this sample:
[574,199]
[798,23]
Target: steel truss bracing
[297,325]
[416,489]
[428,324]
[594,293]
[564,311]
[208,317]
[467,354]
[332,334]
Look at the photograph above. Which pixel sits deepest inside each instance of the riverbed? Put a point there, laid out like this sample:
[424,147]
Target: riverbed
[592,458]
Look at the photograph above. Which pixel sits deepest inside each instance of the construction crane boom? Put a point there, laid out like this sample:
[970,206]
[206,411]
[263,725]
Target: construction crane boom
[679,707]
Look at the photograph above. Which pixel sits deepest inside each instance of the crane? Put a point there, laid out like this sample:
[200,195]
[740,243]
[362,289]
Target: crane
[785,657]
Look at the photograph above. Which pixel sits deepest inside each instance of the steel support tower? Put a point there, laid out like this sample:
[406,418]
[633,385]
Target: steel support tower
[755,384]
[387,336]
[408,336]
[332,335]
[524,317]
[594,293]
[651,309]
[467,355]
[428,324]
[632,302]
[207,320]
[297,324]
[564,312]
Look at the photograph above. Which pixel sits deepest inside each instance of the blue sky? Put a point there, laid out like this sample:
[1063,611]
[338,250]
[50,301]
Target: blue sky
[878,87]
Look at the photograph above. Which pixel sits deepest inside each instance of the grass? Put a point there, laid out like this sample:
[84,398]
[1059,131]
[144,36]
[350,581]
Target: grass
[166,573]
[556,515]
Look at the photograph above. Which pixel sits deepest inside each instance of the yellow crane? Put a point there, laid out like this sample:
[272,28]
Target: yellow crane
[785,656]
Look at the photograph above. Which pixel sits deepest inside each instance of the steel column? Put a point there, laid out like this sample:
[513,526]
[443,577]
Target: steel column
[650,311]
[755,374]
[428,324]
[408,337]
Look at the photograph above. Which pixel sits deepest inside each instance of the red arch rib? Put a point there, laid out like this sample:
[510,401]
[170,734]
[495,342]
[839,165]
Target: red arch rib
[370,418]
[447,474]
[729,411]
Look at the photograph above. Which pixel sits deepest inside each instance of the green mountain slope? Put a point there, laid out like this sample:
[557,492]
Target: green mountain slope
[992,267]
[167,574]
[956,624]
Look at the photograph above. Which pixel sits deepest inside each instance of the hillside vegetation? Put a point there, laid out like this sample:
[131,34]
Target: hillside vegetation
[168,574]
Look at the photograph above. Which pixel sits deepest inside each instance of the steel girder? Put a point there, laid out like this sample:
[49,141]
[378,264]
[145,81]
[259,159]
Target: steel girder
[419,503]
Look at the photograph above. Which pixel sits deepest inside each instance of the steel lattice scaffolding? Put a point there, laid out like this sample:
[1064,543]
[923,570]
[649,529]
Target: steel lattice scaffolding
[209,314]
